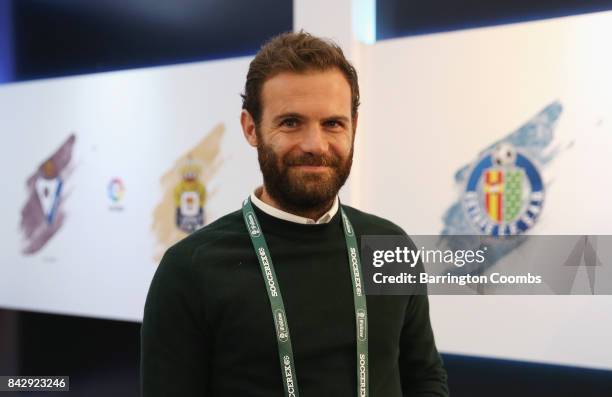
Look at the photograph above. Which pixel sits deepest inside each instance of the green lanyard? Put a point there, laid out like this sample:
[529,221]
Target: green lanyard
[285,351]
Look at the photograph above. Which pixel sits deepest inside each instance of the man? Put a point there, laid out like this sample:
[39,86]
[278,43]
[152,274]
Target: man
[266,301]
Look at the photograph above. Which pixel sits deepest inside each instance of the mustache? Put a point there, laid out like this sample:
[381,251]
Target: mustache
[308,159]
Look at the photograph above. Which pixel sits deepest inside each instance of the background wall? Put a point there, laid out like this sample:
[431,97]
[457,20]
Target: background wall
[137,127]
[438,105]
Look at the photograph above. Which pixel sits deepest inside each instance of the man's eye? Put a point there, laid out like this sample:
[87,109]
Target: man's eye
[289,123]
[333,123]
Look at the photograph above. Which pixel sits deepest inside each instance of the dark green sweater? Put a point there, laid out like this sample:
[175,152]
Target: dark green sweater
[208,327]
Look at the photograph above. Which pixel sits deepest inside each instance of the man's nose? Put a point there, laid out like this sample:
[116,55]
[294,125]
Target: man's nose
[314,140]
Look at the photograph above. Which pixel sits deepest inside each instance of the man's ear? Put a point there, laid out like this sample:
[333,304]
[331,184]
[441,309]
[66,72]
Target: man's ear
[355,118]
[248,127]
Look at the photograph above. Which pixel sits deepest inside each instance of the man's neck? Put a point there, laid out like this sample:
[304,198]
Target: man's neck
[313,214]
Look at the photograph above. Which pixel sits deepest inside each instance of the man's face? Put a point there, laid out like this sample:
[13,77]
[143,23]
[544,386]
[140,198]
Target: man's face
[305,138]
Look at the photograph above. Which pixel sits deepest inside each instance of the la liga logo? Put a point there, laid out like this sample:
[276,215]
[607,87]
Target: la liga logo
[115,190]
[504,193]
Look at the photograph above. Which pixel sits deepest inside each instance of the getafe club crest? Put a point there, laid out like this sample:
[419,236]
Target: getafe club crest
[504,192]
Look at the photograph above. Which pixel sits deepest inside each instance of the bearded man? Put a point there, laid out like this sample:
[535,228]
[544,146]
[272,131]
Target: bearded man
[268,300]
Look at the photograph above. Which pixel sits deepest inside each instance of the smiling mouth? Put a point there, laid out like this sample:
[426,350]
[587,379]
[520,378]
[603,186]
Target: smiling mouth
[311,167]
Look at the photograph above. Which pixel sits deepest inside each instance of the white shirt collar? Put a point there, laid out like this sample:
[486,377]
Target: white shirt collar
[275,212]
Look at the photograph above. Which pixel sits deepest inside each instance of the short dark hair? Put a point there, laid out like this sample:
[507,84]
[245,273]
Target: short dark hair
[295,52]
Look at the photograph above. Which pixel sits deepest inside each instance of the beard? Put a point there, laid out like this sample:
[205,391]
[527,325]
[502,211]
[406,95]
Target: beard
[298,190]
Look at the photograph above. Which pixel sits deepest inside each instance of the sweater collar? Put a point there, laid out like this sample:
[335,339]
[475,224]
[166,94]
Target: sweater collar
[287,216]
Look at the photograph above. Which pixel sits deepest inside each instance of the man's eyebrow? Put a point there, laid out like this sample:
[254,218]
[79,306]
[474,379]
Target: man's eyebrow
[338,117]
[301,117]
[288,115]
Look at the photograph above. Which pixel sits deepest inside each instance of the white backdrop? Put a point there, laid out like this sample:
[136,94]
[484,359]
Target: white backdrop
[434,102]
[132,125]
